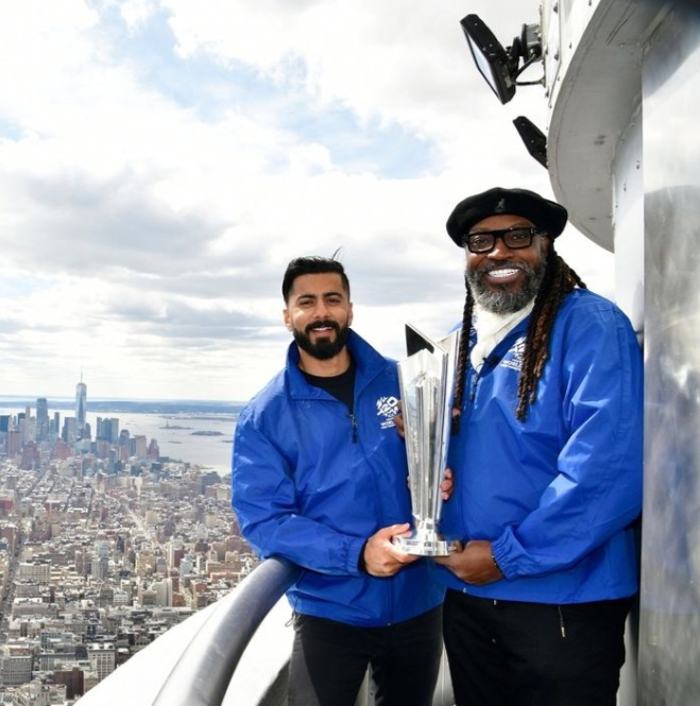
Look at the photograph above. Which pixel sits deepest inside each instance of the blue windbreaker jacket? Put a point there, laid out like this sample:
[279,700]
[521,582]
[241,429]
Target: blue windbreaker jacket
[557,493]
[311,483]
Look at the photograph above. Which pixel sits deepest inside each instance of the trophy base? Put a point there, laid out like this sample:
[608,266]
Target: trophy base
[425,544]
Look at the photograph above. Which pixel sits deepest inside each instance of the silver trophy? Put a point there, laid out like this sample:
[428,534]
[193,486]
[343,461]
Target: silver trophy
[426,379]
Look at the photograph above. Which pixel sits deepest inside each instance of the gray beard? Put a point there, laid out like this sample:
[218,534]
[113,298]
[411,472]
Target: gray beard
[504,299]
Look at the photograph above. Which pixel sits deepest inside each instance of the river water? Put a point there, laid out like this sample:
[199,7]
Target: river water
[175,433]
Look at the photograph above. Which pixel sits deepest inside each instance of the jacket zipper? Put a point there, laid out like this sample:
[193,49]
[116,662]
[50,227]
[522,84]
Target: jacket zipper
[474,382]
[353,422]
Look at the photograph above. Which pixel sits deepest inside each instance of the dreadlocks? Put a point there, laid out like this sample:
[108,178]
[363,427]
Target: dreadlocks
[558,280]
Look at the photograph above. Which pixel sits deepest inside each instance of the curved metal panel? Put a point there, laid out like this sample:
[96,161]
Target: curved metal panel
[202,674]
[598,94]
[669,650]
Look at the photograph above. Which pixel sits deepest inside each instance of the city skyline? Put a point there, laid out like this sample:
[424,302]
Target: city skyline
[161,162]
[206,421]
[24,434]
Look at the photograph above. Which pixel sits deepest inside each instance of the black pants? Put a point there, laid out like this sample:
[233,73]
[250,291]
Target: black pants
[506,653]
[329,660]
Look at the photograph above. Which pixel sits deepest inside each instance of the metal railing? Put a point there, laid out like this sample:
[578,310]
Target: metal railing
[203,672]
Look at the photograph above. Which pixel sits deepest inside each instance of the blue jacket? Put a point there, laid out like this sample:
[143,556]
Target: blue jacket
[311,483]
[557,493]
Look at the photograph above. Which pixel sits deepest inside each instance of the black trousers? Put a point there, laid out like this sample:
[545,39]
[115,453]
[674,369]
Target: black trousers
[329,660]
[507,653]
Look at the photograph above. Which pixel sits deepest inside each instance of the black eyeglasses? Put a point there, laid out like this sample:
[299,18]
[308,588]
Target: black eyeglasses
[514,239]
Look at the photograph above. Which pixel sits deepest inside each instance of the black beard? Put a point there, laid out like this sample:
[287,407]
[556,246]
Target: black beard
[504,299]
[324,348]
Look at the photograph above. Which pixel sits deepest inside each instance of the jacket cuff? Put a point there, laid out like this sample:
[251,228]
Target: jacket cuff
[355,547]
[507,552]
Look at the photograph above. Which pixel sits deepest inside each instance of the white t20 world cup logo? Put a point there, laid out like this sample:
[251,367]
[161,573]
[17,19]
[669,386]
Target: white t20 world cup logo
[387,407]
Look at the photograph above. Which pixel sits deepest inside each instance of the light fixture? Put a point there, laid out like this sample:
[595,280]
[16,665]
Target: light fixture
[501,67]
[535,140]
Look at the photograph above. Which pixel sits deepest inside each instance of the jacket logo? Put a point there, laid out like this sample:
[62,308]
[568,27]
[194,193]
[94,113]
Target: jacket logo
[387,407]
[517,352]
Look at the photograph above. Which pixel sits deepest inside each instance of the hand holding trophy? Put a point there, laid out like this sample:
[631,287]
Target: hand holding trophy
[426,380]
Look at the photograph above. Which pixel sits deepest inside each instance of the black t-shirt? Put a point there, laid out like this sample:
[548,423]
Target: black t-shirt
[342,386]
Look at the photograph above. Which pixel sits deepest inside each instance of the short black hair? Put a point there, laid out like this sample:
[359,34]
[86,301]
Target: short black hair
[312,265]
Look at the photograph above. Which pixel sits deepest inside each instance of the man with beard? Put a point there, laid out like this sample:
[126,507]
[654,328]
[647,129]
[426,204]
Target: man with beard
[319,477]
[547,459]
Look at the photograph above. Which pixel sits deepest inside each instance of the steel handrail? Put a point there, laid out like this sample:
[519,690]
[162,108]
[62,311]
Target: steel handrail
[203,672]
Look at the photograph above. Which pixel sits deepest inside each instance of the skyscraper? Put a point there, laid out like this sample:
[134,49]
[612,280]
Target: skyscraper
[42,419]
[80,407]
[108,429]
[69,433]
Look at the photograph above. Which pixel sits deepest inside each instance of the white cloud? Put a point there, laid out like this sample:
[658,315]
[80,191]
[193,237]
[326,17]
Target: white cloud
[136,13]
[151,204]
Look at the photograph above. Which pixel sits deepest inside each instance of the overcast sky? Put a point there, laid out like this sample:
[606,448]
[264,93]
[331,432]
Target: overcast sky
[162,160]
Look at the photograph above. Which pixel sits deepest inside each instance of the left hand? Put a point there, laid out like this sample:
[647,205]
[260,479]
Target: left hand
[398,423]
[473,563]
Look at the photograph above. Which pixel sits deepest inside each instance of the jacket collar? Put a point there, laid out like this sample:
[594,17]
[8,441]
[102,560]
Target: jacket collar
[496,355]
[368,364]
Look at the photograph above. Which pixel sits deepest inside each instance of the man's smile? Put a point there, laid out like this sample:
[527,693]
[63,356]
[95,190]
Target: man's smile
[322,328]
[500,274]
[503,274]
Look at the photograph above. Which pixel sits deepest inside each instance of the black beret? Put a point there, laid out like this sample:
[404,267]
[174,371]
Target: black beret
[547,215]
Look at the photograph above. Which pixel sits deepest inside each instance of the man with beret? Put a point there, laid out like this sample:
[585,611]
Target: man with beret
[319,477]
[547,458]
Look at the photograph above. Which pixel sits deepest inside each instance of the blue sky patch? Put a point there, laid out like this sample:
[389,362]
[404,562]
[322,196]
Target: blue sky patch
[9,130]
[18,286]
[210,88]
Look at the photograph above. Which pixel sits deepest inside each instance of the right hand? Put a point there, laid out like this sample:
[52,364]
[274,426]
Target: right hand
[473,563]
[381,556]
